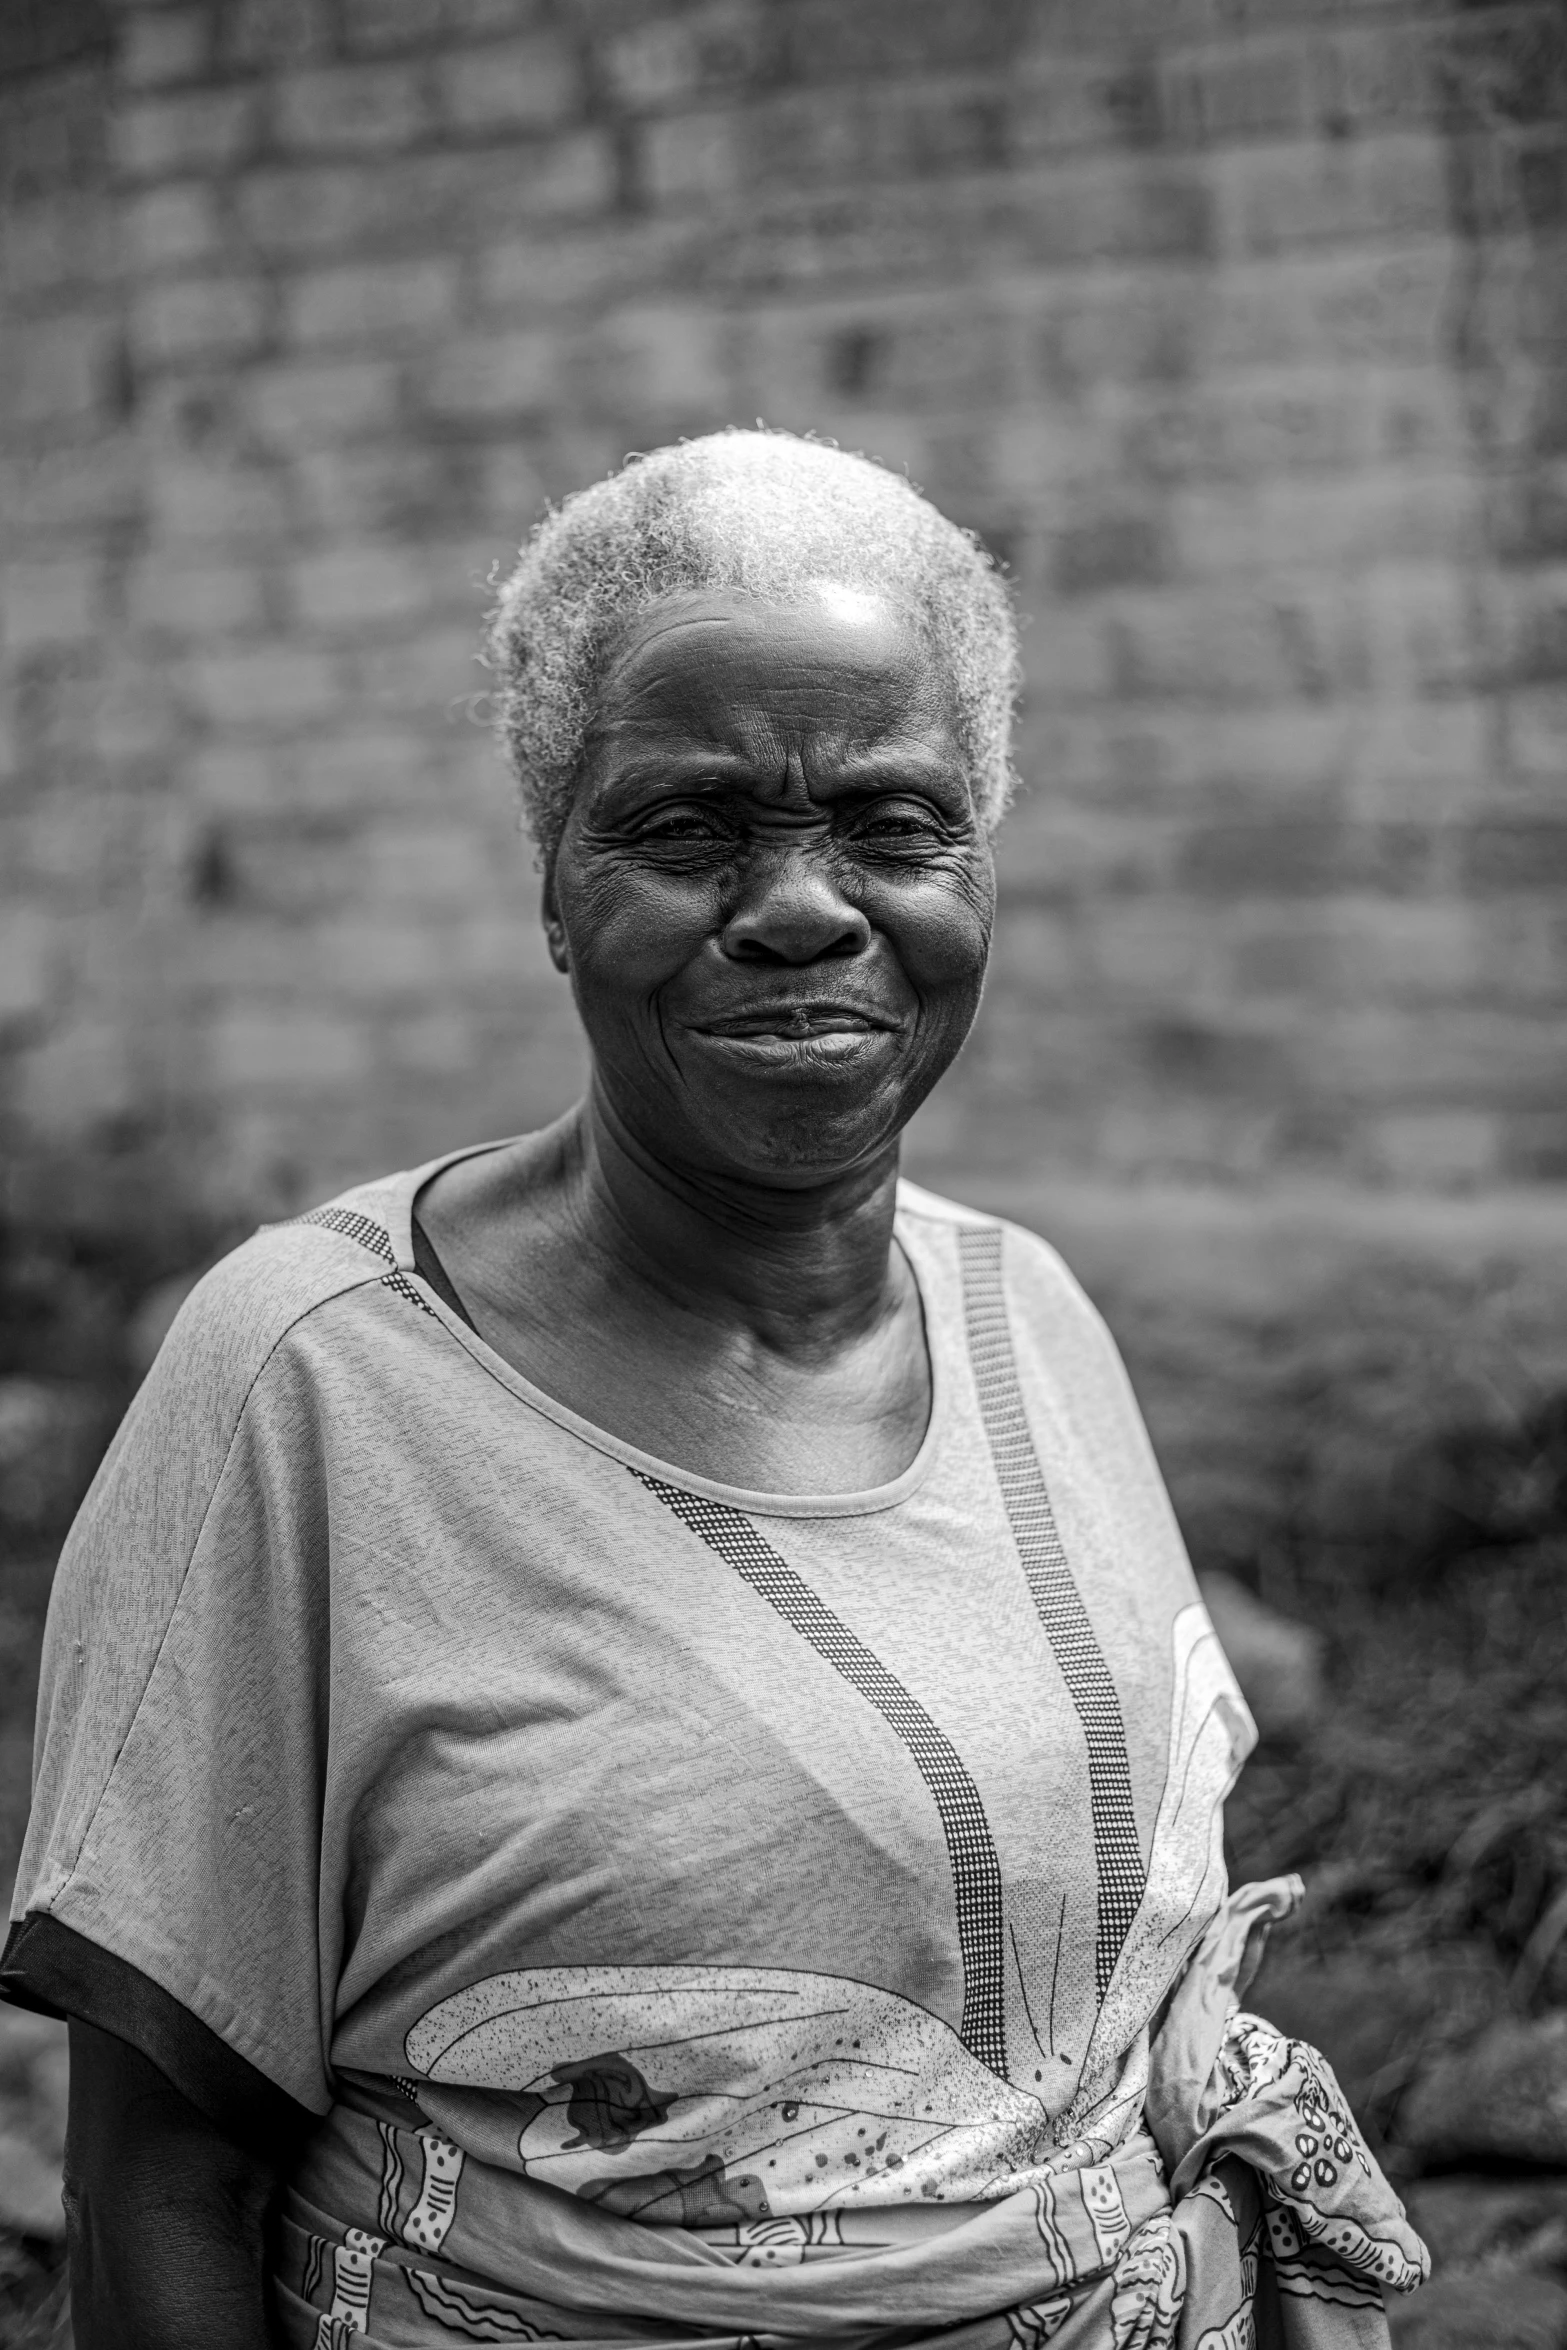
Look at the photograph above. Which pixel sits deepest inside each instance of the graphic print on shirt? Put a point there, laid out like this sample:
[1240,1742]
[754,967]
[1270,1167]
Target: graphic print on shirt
[1059,1605]
[717,2095]
[976,1873]
[971,1850]
[706,2095]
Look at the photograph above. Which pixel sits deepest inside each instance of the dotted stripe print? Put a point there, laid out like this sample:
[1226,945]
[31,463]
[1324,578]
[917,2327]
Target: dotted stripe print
[976,1873]
[378,1240]
[353,1226]
[400,1286]
[1117,1853]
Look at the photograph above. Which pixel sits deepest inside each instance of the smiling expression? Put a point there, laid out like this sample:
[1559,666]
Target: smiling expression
[772,893]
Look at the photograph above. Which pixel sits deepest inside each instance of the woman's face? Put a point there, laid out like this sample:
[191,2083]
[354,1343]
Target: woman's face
[772,894]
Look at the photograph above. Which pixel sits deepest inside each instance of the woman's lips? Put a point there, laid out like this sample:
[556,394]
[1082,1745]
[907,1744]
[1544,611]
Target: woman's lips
[795,1023]
[805,1039]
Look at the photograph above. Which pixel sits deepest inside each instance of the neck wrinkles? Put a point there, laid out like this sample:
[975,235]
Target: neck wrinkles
[798,1270]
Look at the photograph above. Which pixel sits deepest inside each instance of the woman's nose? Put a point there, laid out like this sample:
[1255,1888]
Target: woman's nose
[792,911]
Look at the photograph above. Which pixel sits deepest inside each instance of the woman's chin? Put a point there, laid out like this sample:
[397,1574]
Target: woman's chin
[825,1102]
[800,1116]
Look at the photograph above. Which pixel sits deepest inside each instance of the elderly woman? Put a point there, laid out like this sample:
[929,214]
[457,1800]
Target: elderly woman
[629,1752]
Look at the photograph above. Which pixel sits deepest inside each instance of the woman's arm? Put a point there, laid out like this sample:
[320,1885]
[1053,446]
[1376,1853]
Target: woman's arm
[165,2212]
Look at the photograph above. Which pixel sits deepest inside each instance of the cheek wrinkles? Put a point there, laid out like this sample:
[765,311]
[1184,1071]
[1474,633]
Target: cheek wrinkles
[954,901]
[644,904]
[633,928]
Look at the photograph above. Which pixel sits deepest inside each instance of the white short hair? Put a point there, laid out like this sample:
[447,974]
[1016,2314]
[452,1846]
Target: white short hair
[769,515]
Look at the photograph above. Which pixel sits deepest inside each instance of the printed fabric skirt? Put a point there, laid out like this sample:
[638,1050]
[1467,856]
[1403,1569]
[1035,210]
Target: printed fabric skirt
[1244,2213]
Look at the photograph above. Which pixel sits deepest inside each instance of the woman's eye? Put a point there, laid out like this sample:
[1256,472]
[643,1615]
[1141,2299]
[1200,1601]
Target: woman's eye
[684,824]
[891,824]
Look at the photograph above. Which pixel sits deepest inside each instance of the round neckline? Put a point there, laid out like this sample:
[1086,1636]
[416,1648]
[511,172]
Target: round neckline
[863,1502]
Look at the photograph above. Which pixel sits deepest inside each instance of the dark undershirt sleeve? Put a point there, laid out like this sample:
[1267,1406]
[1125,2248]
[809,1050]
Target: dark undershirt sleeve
[430,1268]
[53,1970]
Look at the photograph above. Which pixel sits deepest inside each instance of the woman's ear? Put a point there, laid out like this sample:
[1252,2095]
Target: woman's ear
[554,928]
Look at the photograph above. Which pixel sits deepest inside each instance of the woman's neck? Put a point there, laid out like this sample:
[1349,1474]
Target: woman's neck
[766,1338]
[801,1267]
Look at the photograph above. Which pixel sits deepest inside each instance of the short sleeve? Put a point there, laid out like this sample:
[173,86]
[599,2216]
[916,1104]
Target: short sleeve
[48,1968]
[183,1716]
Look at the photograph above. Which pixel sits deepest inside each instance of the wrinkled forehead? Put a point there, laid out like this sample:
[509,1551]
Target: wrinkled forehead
[836,651]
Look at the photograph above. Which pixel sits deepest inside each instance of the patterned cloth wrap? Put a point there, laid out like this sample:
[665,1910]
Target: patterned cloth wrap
[1243,2211]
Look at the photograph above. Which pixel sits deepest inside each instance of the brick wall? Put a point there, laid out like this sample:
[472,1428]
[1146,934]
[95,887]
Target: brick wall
[1238,326]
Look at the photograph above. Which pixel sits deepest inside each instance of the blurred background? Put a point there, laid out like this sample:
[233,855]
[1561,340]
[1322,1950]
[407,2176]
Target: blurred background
[1238,330]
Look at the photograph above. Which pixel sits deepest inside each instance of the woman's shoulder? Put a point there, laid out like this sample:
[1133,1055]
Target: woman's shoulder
[235,1315]
[1019,1295]
[1024,1260]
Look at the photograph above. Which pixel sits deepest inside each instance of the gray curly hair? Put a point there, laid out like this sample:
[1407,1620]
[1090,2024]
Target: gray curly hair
[762,512]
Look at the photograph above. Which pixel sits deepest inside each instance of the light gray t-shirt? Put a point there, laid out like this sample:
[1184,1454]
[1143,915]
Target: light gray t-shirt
[706,1854]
